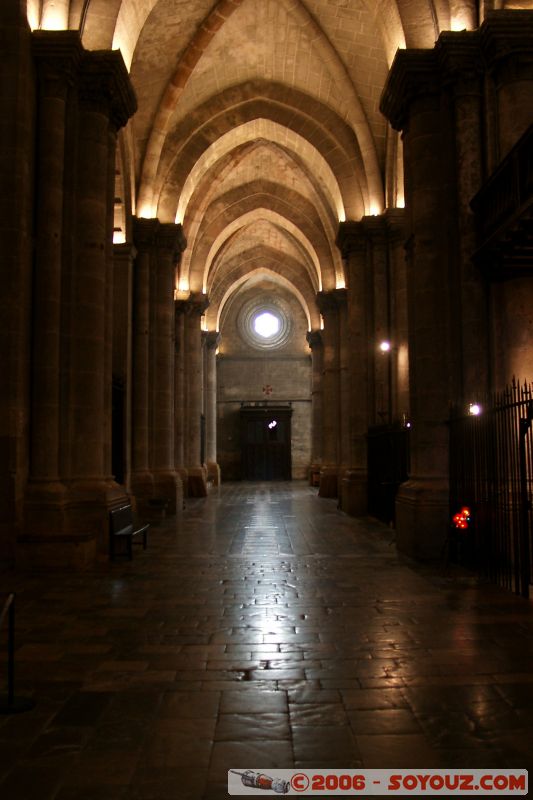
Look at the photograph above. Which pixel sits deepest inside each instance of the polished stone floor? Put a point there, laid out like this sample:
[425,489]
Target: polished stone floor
[264,629]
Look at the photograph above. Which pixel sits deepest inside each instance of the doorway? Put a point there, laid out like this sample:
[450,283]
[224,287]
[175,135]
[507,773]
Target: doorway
[266,443]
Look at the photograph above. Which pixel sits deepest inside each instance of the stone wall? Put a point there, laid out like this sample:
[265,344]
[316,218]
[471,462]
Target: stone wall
[244,372]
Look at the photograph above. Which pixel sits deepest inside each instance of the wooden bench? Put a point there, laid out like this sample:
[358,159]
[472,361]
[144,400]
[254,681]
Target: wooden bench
[121,524]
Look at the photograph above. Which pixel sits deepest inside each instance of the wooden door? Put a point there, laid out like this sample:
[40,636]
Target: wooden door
[266,444]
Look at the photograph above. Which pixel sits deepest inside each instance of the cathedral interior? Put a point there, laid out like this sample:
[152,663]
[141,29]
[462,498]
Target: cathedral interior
[267,286]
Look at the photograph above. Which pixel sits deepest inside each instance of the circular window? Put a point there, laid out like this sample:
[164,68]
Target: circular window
[264,323]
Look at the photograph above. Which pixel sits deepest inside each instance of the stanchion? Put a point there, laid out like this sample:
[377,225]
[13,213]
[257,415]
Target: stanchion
[9,704]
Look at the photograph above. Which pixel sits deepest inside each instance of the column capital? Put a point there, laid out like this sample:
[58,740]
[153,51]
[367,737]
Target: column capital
[414,73]
[461,61]
[314,339]
[195,304]
[375,228]
[170,237]
[144,232]
[332,301]
[507,36]
[105,86]
[212,339]
[58,55]
[395,222]
[351,237]
[125,251]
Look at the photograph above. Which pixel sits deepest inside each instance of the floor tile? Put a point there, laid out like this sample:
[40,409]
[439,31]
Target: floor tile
[216,648]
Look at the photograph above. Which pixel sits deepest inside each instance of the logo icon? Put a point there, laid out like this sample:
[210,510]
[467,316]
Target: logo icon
[256,780]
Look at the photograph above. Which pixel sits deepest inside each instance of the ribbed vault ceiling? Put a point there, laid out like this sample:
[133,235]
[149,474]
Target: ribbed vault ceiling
[258,125]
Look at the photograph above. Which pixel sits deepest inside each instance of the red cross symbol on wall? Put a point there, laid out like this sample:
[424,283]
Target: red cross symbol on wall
[267,389]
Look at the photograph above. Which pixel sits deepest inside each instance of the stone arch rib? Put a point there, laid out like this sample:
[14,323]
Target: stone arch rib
[223,10]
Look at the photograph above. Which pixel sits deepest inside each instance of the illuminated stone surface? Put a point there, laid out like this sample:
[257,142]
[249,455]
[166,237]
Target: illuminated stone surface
[266,629]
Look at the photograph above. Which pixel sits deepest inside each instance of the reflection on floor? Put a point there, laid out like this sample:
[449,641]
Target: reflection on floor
[264,629]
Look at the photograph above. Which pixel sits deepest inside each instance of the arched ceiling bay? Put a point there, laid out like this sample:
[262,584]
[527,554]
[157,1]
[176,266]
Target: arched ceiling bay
[222,117]
[294,243]
[253,276]
[258,125]
[265,130]
[238,177]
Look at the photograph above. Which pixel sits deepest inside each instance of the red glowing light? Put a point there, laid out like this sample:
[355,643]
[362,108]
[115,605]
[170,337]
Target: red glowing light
[461,520]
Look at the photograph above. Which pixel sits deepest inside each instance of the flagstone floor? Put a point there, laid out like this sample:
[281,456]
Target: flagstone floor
[262,629]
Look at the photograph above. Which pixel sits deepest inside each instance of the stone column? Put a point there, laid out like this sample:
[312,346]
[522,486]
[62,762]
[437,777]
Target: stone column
[179,392]
[314,339]
[197,478]
[17,147]
[212,340]
[507,44]
[124,258]
[353,242]
[167,482]
[57,58]
[329,308]
[380,363]
[345,358]
[395,226]
[412,102]
[106,101]
[142,480]
[462,68]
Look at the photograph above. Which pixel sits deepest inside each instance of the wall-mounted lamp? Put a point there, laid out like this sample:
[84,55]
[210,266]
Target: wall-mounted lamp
[385,346]
[474,409]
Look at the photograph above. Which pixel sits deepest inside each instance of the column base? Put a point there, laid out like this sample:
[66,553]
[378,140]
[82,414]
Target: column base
[354,492]
[213,473]
[74,530]
[422,517]
[197,482]
[314,475]
[44,507]
[142,488]
[329,479]
[168,485]
[184,476]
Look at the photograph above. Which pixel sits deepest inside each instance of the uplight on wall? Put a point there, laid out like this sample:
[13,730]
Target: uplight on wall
[146,212]
[55,15]
[340,283]
[33,11]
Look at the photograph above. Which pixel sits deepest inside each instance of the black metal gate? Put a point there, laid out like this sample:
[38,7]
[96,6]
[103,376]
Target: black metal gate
[491,473]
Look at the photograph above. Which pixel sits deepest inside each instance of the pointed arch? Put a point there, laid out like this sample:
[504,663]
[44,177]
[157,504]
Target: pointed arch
[354,114]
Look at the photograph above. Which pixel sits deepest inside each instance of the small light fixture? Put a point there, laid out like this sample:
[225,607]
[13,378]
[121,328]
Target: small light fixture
[474,409]
[272,424]
[384,347]
[462,519]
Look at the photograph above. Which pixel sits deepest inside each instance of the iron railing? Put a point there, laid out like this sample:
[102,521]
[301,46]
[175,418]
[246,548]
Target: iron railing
[491,473]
